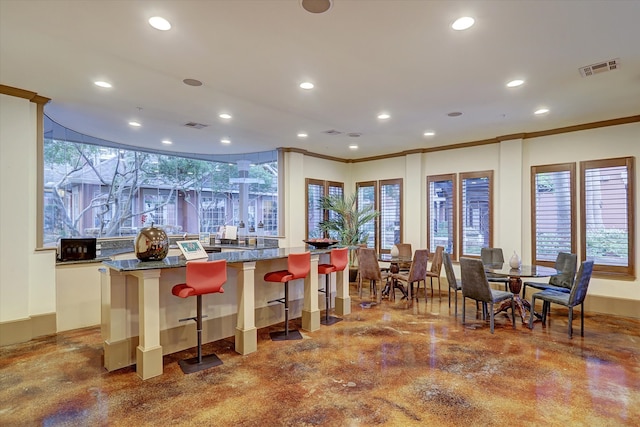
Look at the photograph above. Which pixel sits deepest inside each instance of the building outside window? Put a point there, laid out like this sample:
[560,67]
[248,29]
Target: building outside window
[97,188]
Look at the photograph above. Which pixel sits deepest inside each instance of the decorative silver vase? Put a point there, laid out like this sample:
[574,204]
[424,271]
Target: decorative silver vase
[151,244]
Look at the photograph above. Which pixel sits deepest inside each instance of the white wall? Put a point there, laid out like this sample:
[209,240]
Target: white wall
[27,277]
[511,162]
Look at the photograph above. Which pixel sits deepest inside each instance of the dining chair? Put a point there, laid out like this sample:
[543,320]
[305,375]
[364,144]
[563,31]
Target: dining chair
[566,265]
[476,286]
[369,269]
[417,273]
[454,284]
[404,251]
[434,272]
[494,256]
[569,300]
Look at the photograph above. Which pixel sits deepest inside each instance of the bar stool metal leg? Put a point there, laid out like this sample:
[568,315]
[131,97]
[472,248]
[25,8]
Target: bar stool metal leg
[328,320]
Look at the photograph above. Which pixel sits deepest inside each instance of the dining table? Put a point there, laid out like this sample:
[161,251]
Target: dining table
[515,276]
[394,267]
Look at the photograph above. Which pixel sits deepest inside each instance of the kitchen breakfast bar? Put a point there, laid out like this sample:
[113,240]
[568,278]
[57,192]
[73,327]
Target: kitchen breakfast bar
[139,312]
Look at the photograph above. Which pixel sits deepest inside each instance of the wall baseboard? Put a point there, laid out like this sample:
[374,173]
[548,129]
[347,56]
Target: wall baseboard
[23,330]
[612,306]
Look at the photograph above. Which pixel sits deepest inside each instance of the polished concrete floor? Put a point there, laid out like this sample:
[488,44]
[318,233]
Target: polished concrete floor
[384,364]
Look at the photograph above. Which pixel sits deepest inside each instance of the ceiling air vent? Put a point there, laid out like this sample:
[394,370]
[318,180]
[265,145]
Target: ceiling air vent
[332,132]
[194,125]
[600,67]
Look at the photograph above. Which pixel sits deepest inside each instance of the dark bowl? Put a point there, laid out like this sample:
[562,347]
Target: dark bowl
[320,243]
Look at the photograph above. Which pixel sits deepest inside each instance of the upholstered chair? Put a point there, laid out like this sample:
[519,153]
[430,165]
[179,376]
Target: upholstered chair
[566,265]
[494,256]
[575,297]
[455,285]
[417,273]
[369,269]
[476,286]
[436,268]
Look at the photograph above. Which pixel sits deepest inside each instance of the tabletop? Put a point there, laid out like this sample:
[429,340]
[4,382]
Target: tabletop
[524,270]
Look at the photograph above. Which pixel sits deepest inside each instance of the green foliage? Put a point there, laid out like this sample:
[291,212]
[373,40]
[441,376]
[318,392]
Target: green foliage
[346,220]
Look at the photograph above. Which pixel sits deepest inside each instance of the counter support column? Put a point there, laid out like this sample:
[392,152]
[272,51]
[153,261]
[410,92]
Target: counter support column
[310,310]
[246,332]
[343,300]
[149,350]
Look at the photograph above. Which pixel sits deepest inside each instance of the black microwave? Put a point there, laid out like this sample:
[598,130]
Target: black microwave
[77,249]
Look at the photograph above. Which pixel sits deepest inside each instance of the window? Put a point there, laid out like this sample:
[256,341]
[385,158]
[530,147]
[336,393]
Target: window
[390,213]
[607,213]
[441,211]
[98,188]
[316,189]
[476,219]
[367,197]
[552,212]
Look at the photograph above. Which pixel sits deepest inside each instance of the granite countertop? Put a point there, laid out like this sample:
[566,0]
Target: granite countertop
[247,255]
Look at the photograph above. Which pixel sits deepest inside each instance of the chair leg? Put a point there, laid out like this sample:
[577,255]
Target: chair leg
[582,319]
[533,304]
[570,322]
[328,320]
[199,363]
[455,296]
[286,335]
[491,315]
[449,294]
[439,289]
[463,308]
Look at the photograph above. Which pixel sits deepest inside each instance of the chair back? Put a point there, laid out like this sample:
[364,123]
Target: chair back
[579,288]
[436,264]
[492,256]
[418,270]
[339,258]
[368,266]
[299,265]
[206,277]
[566,265]
[448,269]
[404,250]
[474,280]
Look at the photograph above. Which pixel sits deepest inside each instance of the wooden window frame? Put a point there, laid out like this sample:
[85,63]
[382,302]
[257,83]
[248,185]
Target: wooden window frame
[602,270]
[326,185]
[461,214]
[559,167]
[454,220]
[381,183]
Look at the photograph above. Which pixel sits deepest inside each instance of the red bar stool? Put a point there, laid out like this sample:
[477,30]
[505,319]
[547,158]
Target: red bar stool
[339,258]
[298,266]
[203,277]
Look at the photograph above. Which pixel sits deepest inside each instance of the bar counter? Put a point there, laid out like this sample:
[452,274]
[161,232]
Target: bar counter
[156,311]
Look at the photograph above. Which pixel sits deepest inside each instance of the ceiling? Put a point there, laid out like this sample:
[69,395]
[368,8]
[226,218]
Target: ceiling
[364,57]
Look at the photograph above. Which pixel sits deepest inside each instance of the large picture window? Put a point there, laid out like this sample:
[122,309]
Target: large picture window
[607,214]
[441,211]
[476,216]
[96,188]
[552,212]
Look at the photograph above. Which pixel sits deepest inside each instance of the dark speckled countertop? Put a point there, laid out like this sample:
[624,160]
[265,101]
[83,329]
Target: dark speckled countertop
[246,255]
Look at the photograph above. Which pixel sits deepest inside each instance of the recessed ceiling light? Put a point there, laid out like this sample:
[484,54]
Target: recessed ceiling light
[302,135]
[306,85]
[159,23]
[225,141]
[463,23]
[102,84]
[429,133]
[192,82]
[224,116]
[353,147]
[541,111]
[515,83]
[135,124]
[383,116]
[166,141]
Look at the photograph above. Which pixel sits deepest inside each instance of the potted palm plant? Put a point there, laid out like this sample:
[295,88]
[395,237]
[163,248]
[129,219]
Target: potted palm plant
[346,222]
